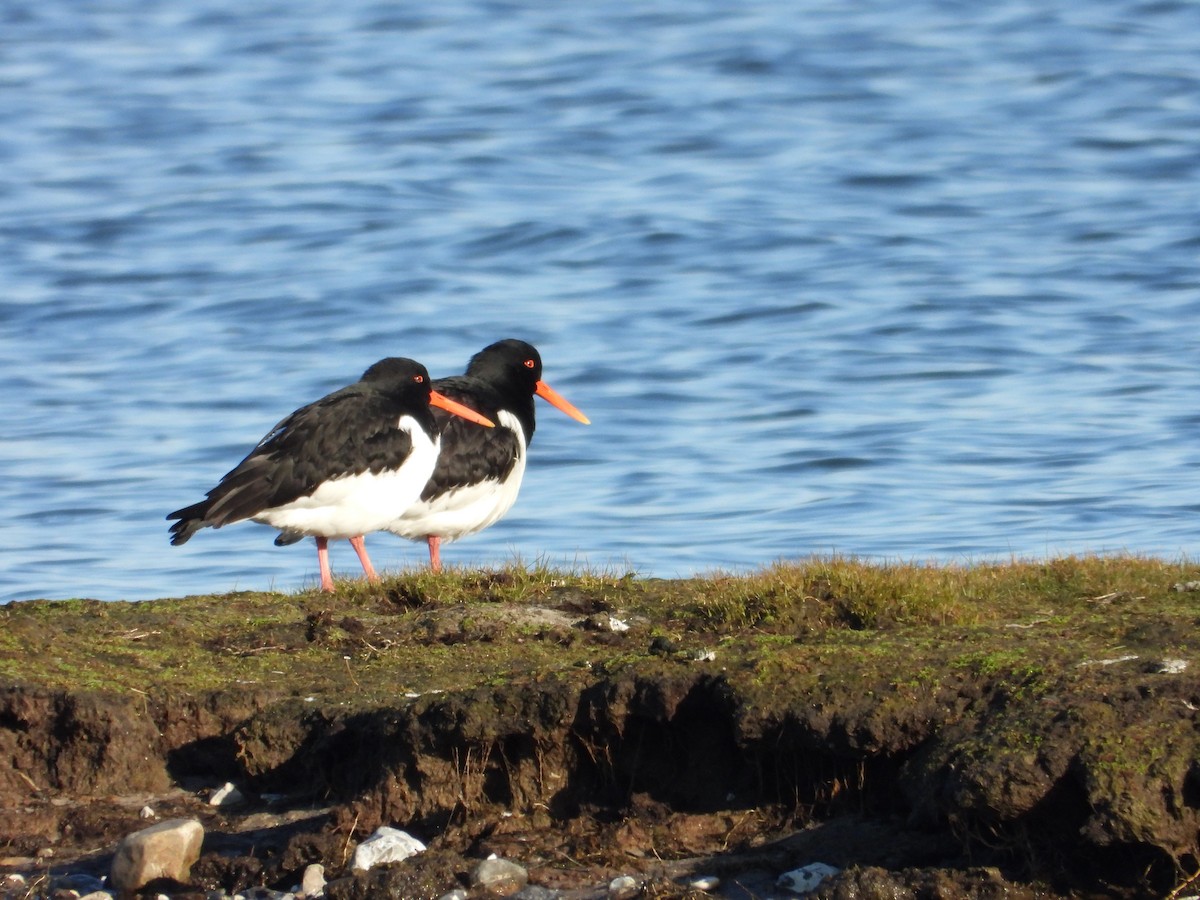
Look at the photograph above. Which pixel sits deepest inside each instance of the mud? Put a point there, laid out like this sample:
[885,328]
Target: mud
[968,776]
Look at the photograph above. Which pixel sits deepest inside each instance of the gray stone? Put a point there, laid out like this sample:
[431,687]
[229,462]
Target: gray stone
[806,878]
[227,795]
[165,850]
[313,882]
[624,887]
[499,877]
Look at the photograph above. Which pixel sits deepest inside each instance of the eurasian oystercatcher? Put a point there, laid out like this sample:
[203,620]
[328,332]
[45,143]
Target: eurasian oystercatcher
[339,467]
[478,473]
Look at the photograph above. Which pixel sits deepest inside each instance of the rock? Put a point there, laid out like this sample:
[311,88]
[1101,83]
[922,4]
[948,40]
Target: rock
[806,878]
[624,887]
[165,850]
[227,795]
[1168,666]
[704,883]
[147,813]
[97,895]
[499,877]
[456,894]
[384,846]
[313,882]
[605,622]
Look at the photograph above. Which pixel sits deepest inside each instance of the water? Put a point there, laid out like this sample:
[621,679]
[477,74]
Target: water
[906,281]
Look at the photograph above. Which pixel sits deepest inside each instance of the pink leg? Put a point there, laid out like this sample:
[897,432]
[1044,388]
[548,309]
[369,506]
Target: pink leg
[323,561]
[360,547]
[435,556]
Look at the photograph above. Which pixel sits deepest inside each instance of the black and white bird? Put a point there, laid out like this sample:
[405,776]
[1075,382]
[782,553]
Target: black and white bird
[340,467]
[479,472]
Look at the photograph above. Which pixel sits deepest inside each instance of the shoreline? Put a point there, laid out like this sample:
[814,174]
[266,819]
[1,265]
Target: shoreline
[1025,727]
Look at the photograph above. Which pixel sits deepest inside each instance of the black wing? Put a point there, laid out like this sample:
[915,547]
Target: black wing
[347,432]
[471,454]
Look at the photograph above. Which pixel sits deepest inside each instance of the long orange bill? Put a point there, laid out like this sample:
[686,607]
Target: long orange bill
[452,406]
[556,399]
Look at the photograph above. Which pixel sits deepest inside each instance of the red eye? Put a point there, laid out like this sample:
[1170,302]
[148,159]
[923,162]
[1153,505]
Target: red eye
[529,363]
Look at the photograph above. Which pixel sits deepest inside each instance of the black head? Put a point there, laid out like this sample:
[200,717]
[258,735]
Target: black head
[508,362]
[401,375]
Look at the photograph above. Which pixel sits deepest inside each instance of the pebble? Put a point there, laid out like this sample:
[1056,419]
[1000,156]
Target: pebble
[97,895]
[704,883]
[384,846]
[313,882]
[806,878]
[456,894]
[147,813]
[227,795]
[624,887]
[165,850]
[500,877]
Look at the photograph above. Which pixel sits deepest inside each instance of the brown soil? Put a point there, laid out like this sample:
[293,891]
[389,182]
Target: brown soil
[989,779]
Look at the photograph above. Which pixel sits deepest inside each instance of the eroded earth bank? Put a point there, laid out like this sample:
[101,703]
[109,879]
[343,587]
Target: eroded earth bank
[1026,730]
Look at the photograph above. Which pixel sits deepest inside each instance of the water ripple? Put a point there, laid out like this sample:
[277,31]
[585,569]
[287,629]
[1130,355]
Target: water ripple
[892,283]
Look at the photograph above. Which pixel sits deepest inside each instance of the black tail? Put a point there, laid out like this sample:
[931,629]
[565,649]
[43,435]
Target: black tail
[191,520]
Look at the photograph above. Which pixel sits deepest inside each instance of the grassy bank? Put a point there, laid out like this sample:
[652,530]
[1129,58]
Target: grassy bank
[408,633]
[1036,713]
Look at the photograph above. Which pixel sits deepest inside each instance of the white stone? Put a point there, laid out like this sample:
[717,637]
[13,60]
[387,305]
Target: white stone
[705,883]
[97,895]
[456,894]
[165,850]
[227,795]
[147,813]
[384,846]
[624,887]
[806,878]
[499,876]
[313,882]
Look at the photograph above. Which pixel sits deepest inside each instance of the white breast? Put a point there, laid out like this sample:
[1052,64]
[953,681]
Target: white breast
[467,509]
[359,504]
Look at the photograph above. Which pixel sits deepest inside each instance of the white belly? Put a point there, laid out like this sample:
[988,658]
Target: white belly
[467,509]
[358,504]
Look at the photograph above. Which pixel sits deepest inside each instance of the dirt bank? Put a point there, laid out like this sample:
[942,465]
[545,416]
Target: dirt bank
[1026,730]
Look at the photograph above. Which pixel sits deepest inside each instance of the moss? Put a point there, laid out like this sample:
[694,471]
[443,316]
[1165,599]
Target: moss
[1017,702]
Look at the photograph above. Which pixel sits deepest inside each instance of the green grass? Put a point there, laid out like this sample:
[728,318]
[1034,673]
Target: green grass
[910,624]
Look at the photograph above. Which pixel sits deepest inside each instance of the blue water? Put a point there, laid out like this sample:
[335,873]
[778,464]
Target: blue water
[905,281]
